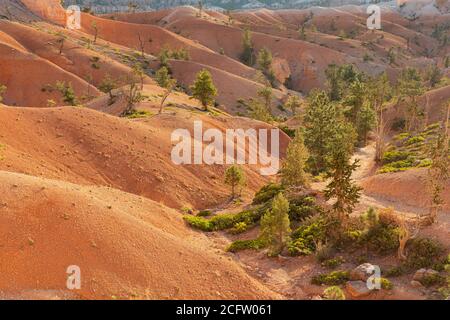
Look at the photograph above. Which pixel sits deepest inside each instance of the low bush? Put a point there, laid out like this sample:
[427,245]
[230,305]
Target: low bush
[334,278]
[254,244]
[394,156]
[304,239]
[266,193]
[333,293]
[423,253]
[386,284]
[227,220]
[333,263]
[430,280]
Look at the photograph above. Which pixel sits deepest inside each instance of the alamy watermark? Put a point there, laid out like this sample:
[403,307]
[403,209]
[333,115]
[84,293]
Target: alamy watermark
[74,277]
[237,146]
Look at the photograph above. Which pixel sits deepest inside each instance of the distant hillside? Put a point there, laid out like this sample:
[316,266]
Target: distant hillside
[102,6]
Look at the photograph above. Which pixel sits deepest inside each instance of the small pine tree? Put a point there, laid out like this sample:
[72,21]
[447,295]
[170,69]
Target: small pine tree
[410,86]
[293,170]
[434,75]
[164,56]
[275,225]
[67,92]
[203,88]
[2,92]
[234,177]
[293,103]
[95,28]
[264,61]
[165,81]
[247,53]
[107,85]
[341,186]
[61,41]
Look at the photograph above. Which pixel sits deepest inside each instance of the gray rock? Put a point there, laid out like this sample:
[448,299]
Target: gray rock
[362,272]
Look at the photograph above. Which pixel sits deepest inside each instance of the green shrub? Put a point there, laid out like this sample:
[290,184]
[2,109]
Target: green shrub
[198,222]
[333,293]
[414,140]
[239,227]
[382,238]
[334,278]
[304,239]
[386,284]
[254,244]
[302,208]
[393,156]
[430,280]
[266,193]
[227,220]
[423,253]
[333,263]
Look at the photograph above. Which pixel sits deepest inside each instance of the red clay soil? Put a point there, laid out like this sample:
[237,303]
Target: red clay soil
[408,187]
[26,75]
[87,147]
[127,247]
[74,58]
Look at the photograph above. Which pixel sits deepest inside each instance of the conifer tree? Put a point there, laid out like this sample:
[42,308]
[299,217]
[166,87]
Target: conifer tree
[203,88]
[275,225]
[293,170]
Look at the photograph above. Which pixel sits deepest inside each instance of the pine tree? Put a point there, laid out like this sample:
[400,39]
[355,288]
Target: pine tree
[321,123]
[67,92]
[234,177]
[410,86]
[247,53]
[107,85]
[293,170]
[293,103]
[264,61]
[203,88]
[434,75]
[341,187]
[165,81]
[275,225]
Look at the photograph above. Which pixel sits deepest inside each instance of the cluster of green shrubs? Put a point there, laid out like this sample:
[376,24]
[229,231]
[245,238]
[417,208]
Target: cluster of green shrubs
[305,238]
[226,221]
[409,151]
[267,193]
[254,244]
[333,278]
[395,160]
